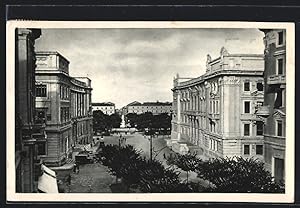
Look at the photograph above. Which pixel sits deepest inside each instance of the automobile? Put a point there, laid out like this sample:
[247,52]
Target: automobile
[105,133]
[85,157]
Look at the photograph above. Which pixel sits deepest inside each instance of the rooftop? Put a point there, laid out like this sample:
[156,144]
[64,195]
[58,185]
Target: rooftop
[103,104]
[135,103]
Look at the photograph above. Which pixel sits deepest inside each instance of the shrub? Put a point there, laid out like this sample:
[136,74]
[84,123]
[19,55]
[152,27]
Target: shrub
[237,175]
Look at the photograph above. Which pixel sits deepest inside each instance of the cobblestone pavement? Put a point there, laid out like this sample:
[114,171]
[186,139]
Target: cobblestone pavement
[92,178]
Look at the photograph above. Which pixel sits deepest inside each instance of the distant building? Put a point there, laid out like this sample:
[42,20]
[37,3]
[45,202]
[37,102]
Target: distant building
[107,108]
[214,114]
[65,104]
[273,110]
[29,126]
[153,107]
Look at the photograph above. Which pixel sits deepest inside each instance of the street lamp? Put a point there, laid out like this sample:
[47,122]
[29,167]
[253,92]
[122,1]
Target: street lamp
[149,136]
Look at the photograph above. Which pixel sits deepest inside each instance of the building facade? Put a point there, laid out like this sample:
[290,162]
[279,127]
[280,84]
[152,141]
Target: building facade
[107,108]
[65,104]
[214,114]
[153,107]
[273,110]
[29,127]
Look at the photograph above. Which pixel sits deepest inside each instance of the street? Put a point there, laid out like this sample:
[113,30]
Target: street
[95,178]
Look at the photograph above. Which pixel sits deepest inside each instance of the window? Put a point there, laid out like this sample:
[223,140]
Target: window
[247,86]
[64,114]
[246,149]
[41,113]
[247,107]
[259,86]
[48,117]
[279,128]
[246,129]
[280,66]
[64,92]
[280,38]
[259,128]
[41,90]
[278,100]
[41,148]
[259,149]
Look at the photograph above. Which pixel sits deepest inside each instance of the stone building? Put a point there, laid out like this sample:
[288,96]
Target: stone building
[153,107]
[214,114]
[65,104]
[273,110]
[107,108]
[29,127]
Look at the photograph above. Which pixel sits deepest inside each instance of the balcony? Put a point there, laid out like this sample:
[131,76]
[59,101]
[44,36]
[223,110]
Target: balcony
[39,136]
[39,123]
[276,79]
[263,111]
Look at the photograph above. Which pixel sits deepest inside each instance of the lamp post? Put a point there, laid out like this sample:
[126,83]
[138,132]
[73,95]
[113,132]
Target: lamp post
[151,147]
[149,136]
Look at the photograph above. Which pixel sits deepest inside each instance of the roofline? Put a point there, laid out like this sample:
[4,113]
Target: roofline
[83,77]
[238,54]
[51,53]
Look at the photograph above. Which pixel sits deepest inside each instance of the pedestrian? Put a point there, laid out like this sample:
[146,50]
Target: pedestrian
[75,168]
[69,179]
[164,155]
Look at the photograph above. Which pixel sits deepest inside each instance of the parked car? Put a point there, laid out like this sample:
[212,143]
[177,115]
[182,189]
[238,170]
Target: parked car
[85,157]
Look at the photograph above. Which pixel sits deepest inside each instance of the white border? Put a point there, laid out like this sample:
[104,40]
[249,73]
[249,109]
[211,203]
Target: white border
[154,197]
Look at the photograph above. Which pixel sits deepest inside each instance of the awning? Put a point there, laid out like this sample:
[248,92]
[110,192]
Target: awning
[47,182]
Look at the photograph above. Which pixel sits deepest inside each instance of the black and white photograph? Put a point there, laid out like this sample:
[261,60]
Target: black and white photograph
[130,111]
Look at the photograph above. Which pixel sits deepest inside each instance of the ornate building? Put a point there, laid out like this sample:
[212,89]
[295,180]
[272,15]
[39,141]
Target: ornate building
[29,127]
[107,108]
[65,104]
[273,110]
[214,114]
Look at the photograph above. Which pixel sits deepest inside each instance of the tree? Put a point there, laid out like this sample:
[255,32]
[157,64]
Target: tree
[100,121]
[103,122]
[128,164]
[132,119]
[187,162]
[162,122]
[155,178]
[237,175]
[114,120]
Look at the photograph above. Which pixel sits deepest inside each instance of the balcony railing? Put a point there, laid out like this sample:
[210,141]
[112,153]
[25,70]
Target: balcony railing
[276,79]
[263,111]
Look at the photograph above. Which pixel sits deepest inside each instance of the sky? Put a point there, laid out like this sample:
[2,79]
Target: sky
[127,65]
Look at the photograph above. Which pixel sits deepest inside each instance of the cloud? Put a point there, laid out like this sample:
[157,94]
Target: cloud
[139,64]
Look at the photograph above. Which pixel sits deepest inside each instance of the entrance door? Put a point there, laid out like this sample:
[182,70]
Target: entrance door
[279,169]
